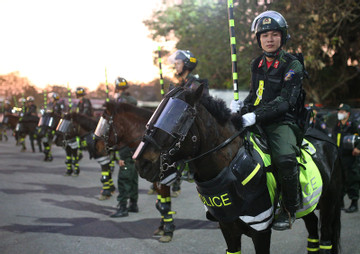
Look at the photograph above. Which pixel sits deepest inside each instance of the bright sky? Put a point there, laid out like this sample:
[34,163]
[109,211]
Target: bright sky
[56,42]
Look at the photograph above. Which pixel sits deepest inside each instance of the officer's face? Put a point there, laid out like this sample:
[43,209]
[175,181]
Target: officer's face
[179,65]
[270,41]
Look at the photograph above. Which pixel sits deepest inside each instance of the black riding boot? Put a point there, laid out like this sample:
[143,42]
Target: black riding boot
[353,206]
[289,179]
[133,207]
[121,212]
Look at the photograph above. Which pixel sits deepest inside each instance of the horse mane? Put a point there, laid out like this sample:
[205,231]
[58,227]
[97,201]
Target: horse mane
[121,107]
[217,108]
[87,122]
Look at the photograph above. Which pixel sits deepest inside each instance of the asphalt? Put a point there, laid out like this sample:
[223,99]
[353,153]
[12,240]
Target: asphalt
[44,212]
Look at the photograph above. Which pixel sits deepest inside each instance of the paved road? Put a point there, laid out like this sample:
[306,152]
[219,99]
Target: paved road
[42,211]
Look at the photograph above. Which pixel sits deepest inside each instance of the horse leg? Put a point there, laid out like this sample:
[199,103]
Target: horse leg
[68,161]
[75,161]
[311,224]
[330,211]
[261,240]
[176,188]
[163,204]
[31,137]
[232,236]
[22,142]
[108,187]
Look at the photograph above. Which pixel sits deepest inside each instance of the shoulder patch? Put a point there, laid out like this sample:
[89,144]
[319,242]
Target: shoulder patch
[323,126]
[289,75]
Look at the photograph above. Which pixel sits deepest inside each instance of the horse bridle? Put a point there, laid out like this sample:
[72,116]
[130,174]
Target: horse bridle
[106,135]
[165,155]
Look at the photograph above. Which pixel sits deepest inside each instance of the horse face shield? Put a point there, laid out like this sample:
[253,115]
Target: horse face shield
[64,126]
[102,128]
[175,119]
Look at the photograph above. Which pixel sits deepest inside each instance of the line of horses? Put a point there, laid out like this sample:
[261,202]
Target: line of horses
[191,127]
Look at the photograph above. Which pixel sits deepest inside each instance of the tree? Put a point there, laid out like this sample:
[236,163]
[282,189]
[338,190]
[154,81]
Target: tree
[325,31]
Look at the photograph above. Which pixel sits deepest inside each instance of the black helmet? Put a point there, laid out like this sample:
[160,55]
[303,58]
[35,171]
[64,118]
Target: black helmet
[55,96]
[120,83]
[187,57]
[269,21]
[80,92]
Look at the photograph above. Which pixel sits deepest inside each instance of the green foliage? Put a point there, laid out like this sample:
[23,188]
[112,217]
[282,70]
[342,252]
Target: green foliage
[327,32]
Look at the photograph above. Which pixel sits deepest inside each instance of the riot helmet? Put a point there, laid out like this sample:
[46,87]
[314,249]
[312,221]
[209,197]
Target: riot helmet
[30,99]
[269,21]
[80,92]
[121,83]
[186,57]
[55,96]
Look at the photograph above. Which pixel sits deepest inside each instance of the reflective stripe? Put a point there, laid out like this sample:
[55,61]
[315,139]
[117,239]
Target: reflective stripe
[326,247]
[313,240]
[168,220]
[259,92]
[251,175]
[73,145]
[103,160]
[257,220]
[238,252]
[309,147]
[338,139]
[312,249]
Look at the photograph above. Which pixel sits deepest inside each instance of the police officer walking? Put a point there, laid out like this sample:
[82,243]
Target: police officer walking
[349,153]
[274,104]
[128,177]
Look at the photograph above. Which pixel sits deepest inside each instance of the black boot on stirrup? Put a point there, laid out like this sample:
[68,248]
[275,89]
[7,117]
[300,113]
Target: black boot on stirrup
[289,179]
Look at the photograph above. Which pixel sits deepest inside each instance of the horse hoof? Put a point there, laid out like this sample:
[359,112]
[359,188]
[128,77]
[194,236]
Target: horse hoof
[175,194]
[159,232]
[103,197]
[165,239]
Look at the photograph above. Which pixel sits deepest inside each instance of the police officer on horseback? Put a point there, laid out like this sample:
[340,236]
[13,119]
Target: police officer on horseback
[345,128]
[84,105]
[274,103]
[55,106]
[121,87]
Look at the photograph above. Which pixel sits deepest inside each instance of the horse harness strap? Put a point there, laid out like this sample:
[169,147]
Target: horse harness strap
[222,145]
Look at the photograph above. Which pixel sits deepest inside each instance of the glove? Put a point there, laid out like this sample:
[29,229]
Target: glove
[235,106]
[249,119]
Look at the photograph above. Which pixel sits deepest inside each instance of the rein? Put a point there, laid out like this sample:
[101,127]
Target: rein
[222,145]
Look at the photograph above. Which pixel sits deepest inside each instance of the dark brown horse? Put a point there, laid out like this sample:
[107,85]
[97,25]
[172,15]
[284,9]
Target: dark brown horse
[71,132]
[232,180]
[125,126]
[9,121]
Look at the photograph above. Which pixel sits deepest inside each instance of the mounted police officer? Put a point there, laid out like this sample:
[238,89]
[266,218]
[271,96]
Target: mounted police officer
[344,129]
[274,104]
[121,87]
[84,105]
[128,177]
[55,106]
